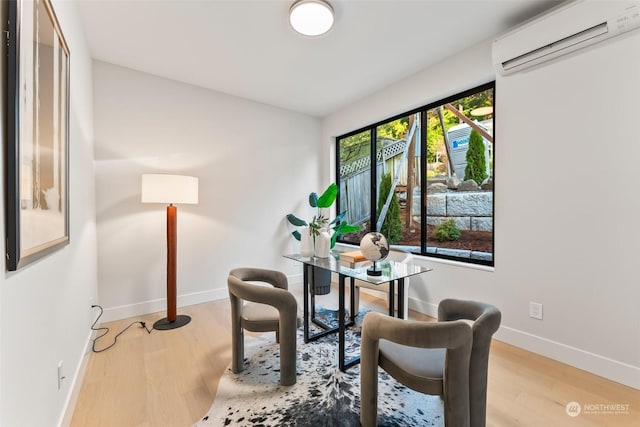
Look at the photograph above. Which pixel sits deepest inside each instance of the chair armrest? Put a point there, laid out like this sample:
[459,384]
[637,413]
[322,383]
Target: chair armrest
[275,278]
[415,333]
[281,299]
[486,317]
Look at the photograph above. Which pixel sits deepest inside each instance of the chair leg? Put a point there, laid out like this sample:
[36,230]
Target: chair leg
[237,338]
[237,335]
[369,384]
[368,406]
[287,335]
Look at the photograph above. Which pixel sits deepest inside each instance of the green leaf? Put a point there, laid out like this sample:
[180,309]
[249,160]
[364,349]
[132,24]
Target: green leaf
[313,200]
[296,234]
[296,221]
[328,197]
[334,239]
[344,228]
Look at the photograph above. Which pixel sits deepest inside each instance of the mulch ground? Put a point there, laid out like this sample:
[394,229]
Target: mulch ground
[481,241]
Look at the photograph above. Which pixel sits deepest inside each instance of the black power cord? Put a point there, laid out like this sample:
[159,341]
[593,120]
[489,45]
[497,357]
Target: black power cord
[106,331]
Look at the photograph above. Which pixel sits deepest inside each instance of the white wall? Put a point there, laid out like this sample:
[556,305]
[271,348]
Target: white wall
[45,307]
[255,163]
[566,138]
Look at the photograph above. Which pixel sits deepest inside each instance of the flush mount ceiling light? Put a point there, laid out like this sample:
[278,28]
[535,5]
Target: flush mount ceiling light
[311,17]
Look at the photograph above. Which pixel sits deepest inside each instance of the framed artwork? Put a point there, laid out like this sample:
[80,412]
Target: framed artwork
[37,218]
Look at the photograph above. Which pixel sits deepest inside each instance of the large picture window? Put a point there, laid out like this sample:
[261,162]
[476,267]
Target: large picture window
[425,178]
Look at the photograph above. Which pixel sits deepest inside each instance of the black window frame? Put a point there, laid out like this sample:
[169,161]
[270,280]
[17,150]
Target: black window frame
[422,110]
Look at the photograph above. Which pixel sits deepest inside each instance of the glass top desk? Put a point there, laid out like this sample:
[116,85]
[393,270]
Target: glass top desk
[392,272]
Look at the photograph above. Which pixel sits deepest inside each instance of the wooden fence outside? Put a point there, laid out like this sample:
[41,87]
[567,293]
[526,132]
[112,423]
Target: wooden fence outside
[355,187]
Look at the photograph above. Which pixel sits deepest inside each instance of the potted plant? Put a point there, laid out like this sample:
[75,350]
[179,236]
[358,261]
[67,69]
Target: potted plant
[319,225]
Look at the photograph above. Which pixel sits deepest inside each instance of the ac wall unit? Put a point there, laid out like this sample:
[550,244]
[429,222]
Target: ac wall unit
[568,27]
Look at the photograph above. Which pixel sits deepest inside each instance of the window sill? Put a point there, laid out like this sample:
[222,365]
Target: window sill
[425,259]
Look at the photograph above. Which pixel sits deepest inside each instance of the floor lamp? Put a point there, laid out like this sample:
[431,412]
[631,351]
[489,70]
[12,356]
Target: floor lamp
[171,190]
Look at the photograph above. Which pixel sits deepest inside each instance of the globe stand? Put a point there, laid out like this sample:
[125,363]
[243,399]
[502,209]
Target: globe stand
[373,271]
[375,248]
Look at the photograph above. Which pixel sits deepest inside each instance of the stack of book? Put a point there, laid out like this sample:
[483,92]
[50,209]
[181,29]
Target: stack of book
[352,258]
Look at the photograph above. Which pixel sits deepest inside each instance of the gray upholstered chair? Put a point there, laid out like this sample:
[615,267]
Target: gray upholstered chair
[447,358]
[260,308]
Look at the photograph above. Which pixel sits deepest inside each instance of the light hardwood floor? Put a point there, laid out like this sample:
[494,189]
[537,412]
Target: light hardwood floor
[169,378]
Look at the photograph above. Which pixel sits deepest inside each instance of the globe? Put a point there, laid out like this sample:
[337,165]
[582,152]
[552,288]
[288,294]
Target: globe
[374,246]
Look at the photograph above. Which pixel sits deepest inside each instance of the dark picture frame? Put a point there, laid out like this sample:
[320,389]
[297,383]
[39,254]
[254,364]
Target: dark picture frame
[37,161]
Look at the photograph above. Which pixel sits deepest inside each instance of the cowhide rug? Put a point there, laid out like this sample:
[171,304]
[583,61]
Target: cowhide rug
[322,395]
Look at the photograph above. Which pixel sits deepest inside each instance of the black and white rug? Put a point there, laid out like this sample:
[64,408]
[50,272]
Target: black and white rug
[322,395]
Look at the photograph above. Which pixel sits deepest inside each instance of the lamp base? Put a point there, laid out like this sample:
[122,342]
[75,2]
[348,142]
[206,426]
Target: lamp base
[165,324]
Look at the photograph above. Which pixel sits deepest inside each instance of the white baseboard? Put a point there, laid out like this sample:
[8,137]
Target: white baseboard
[154,306]
[423,307]
[596,364]
[76,384]
[613,370]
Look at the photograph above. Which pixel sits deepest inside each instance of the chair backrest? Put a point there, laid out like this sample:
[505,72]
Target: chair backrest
[403,362]
[399,256]
[273,277]
[486,321]
[277,296]
[239,286]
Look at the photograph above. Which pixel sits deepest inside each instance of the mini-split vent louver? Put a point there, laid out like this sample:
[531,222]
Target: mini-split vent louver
[564,29]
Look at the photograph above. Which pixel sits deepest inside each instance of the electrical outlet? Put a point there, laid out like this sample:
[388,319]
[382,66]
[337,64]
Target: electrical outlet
[61,376]
[535,310]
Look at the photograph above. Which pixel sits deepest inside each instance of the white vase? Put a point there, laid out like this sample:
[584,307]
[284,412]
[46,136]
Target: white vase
[323,244]
[306,243]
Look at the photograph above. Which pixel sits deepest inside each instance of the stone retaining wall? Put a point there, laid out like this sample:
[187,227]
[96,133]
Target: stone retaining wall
[472,210]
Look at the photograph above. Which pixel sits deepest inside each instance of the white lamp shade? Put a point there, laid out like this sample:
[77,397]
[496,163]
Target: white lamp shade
[311,17]
[169,189]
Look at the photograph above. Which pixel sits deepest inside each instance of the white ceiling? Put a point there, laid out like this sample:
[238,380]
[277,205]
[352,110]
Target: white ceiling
[246,48]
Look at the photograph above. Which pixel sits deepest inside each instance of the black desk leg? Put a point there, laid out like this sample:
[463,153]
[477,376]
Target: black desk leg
[344,364]
[313,294]
[341,326]
[352,301]
[310,315]
[401,291]
[392,296]
[305,291]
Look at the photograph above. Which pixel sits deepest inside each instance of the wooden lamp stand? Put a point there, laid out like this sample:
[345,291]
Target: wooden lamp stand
[172,321]
[171,190]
